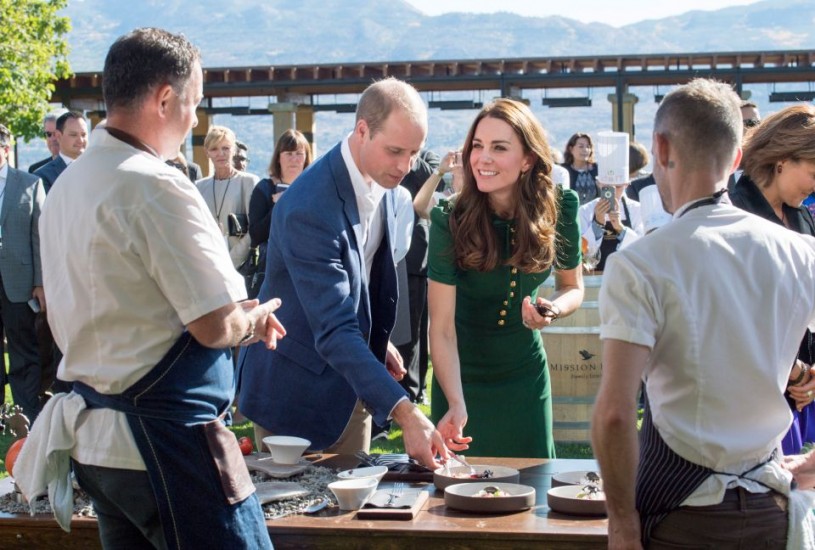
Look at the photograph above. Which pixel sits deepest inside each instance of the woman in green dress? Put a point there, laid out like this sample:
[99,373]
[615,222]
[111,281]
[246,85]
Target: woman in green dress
[491,247]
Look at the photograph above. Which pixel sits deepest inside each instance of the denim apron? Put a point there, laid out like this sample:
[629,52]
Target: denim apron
[203,491]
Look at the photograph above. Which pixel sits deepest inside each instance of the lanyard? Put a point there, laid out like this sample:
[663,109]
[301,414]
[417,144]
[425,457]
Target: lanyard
[131,140]
[715,198]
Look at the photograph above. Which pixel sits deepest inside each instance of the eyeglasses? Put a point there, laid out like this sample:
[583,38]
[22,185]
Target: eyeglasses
[49,134]
[751,122]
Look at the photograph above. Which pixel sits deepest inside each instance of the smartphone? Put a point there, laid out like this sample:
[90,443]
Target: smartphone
[34,304]
[544,310]
[608,194]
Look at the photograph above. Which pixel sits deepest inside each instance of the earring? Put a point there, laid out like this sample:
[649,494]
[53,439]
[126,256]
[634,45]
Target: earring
[778,169]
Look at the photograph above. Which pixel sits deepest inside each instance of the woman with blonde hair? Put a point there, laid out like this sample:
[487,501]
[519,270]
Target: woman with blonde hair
[491,246]
[227,193]
[779,173]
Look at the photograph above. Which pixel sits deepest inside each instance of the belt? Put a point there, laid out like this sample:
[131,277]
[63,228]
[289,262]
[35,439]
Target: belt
[739,498]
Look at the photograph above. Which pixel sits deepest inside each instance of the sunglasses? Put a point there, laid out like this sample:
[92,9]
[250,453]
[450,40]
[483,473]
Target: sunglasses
[242,159]
[751,122]
[49,134]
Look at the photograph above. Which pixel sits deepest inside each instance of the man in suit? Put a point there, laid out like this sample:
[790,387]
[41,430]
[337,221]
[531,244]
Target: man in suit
[72,134]
[330,262]
[21,198]
[49,130]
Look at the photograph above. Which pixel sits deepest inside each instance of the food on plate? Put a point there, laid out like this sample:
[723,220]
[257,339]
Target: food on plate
[591,492]
[591,478]
[486,474]
[491,492]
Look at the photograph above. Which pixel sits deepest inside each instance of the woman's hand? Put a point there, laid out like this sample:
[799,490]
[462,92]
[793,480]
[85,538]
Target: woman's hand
[601,208]
[532,319]
[394,363]
[451,428]
[804,393]
[616,221]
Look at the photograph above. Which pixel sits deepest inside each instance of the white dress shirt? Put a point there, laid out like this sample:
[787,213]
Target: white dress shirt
[131,255]
[721,297]
[369,194]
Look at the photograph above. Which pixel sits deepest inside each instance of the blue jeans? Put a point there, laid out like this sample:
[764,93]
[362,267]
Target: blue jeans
[125,506]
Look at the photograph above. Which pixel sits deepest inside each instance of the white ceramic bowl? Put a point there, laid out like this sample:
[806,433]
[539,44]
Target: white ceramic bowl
[375,472]
[352,494]
[286,449]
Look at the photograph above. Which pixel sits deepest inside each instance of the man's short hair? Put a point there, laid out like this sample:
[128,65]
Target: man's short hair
[50,117]
[702,119]
[5,136]
[143,59]
[241,146]
[380,99]
[65,117]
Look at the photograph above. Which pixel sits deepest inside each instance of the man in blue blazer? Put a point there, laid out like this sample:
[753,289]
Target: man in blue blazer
[330,262]
[21,199]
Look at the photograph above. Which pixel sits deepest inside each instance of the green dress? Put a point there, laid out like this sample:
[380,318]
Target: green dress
[503,364]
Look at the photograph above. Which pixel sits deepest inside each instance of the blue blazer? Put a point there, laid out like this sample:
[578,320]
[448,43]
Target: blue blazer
[337,325]
[50,172]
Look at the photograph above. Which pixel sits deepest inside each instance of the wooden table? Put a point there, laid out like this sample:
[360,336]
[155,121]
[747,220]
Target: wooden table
[436,526]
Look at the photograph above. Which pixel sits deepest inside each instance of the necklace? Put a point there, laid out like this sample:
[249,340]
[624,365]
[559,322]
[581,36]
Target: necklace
[218,210]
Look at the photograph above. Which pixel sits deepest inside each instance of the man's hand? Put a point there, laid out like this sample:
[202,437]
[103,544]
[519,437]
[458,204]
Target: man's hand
[267,327]
[394,363]
[624,533]
[39,294]
[422,440]
[802,468]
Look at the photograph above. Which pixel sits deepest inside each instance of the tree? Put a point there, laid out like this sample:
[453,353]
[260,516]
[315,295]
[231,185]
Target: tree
[33,55]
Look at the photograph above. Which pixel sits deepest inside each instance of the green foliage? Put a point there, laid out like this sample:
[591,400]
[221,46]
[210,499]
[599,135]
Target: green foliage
[33,54]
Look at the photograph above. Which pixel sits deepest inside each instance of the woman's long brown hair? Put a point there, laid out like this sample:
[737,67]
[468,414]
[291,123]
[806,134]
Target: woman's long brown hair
[475,240]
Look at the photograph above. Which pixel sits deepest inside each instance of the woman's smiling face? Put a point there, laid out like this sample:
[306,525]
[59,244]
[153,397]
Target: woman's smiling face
[497,157]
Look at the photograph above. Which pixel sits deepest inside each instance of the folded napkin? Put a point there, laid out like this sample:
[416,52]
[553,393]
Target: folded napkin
[399,463]
[404,500]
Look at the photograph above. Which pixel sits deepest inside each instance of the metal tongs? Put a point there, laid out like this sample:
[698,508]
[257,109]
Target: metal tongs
[460,460]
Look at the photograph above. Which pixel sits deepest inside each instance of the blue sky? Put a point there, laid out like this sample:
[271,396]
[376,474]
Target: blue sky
[615,13]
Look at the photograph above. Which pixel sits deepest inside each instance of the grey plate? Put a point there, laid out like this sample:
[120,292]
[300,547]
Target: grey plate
[461,497]
[564,500]
[442,478]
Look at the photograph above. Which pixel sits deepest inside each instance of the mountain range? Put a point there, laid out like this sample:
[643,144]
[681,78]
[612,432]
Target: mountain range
[260,32]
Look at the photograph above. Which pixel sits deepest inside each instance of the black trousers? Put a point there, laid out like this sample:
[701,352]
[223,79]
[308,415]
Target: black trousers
[24,372]
[415,352]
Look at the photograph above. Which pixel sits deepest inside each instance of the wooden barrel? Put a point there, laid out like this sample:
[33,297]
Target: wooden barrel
[575,363]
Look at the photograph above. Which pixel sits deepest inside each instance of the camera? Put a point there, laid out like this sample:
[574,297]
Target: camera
[608,194]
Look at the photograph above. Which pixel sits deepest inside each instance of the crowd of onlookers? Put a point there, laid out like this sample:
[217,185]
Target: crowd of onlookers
[610,218]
